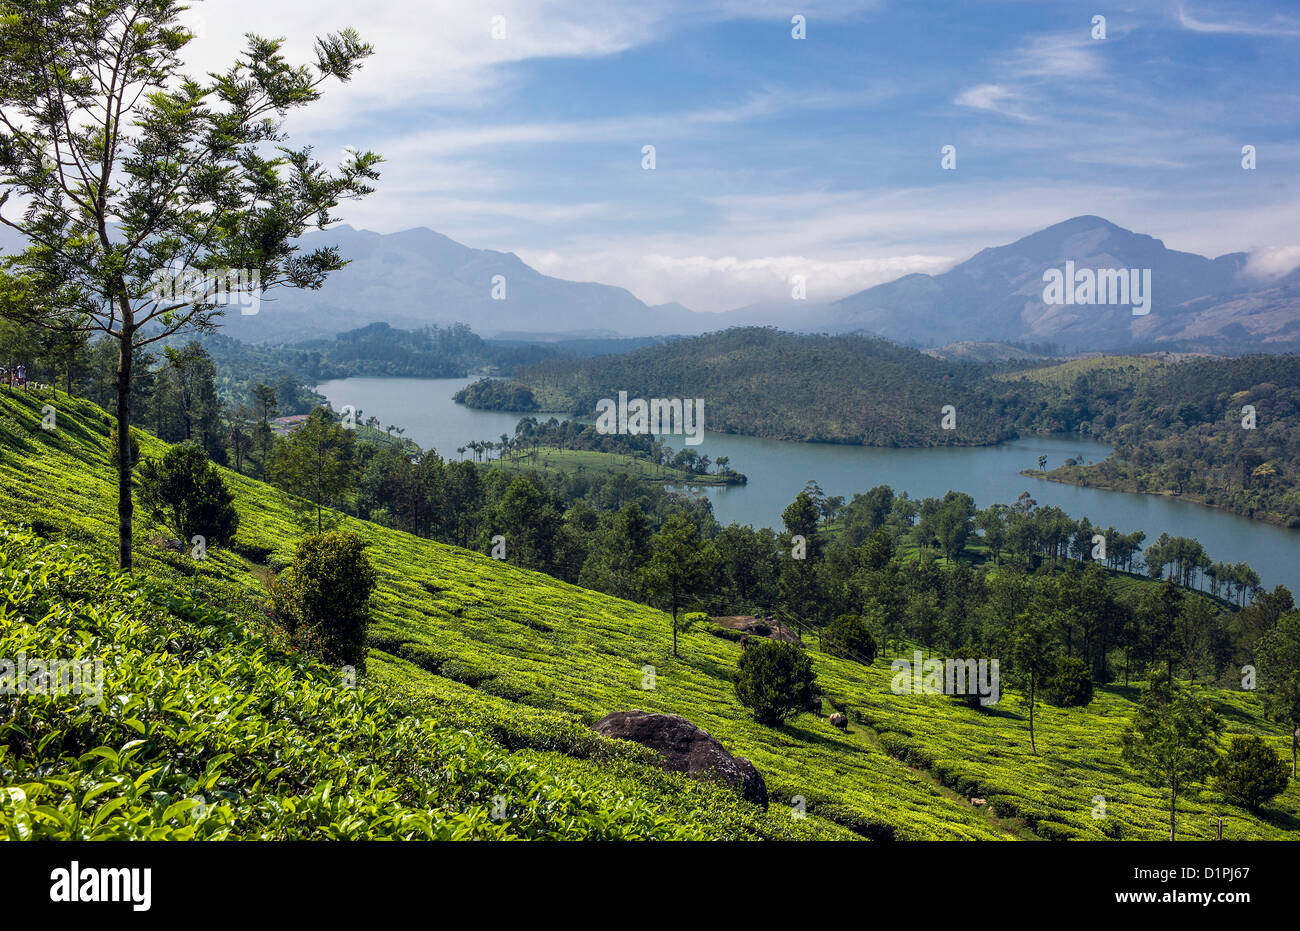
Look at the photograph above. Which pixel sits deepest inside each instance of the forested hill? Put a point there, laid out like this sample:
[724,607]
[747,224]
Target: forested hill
[762,382]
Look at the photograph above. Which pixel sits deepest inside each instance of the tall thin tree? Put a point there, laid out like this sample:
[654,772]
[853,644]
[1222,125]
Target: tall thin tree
[126,174]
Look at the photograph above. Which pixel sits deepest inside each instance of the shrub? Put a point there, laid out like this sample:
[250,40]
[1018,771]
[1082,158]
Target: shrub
[323,598]
[971,697]
[184,492]
[1069,686]
[1251,772]
[850,638]
[775,680]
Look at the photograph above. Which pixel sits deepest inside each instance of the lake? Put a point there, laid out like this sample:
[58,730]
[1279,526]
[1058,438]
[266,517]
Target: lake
[777,472]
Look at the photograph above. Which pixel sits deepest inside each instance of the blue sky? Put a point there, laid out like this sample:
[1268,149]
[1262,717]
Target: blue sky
[819,156]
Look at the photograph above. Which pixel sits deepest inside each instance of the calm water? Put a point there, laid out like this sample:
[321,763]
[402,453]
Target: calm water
[777,472]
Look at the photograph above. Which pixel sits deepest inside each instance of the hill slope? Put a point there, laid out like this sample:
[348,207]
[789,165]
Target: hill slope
[520,661]
[761,382]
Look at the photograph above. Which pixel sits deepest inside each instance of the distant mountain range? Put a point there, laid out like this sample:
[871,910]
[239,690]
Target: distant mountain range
[998,295]
[418,277]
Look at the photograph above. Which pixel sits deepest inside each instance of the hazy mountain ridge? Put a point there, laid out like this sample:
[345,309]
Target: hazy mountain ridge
[997,295]
[418,277]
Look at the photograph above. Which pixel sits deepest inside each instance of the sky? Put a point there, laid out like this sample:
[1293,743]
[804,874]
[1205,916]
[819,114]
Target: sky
[820,156]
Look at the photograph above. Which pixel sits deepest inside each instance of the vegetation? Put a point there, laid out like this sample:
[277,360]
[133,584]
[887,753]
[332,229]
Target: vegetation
[184,491]
[177,167]
[850,637]
[1171,741]
[323,598]
[520,661]
[757,382]
[1223,432]
[775,681]
[1251,772]
[495,394]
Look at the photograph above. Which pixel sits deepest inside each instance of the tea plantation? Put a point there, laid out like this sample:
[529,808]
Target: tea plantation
[471,722]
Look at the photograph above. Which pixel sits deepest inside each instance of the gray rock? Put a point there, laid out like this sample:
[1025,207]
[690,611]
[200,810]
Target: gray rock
[686,748]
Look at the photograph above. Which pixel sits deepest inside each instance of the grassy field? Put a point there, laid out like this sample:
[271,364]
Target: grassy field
[521,662]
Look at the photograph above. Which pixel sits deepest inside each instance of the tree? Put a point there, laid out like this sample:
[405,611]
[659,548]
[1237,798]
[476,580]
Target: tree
[529,520]
[1069,685]
[1279,676]
[323,598]
[621,550]
[848,636]
[316,462]
[774,680]
[185,492]
[132,174]
[952,523]
[1251,772]
[797,583]
[1170,740]
[680,565]
[1033,655]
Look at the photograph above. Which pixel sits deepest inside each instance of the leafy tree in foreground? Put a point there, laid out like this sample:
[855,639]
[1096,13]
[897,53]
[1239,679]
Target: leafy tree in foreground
[128,169]
[1171,740]
[681,565]
[1251,773]
[775,680]
[185,492]
[323,598]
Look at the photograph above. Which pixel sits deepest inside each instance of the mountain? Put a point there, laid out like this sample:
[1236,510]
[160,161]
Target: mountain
[998,295]
[418,277]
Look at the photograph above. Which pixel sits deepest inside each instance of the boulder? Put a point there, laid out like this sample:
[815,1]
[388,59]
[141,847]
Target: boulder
[686,748]
[840,721]
[758,627]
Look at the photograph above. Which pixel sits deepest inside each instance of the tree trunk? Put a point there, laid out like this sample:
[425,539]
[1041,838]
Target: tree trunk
[125,504]
[1173,802]
[674,629]
[1032,747]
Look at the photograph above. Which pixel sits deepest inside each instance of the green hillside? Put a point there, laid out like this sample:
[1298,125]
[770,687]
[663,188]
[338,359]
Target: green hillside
[481,677]
[761,382]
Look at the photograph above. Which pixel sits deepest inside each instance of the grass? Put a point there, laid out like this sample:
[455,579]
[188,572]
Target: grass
[522,662]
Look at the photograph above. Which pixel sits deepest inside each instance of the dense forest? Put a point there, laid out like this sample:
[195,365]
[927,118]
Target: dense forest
[761,382]
[1223,432]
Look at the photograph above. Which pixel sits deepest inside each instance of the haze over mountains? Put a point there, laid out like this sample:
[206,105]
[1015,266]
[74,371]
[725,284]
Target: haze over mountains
[419,277]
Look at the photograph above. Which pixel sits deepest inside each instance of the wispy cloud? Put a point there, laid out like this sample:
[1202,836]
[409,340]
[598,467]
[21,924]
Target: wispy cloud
[1270,26]
[994,98]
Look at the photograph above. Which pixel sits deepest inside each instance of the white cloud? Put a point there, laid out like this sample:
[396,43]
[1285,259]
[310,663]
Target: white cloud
[713,283]
[1277,26]
[1273,262]
[994,98]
